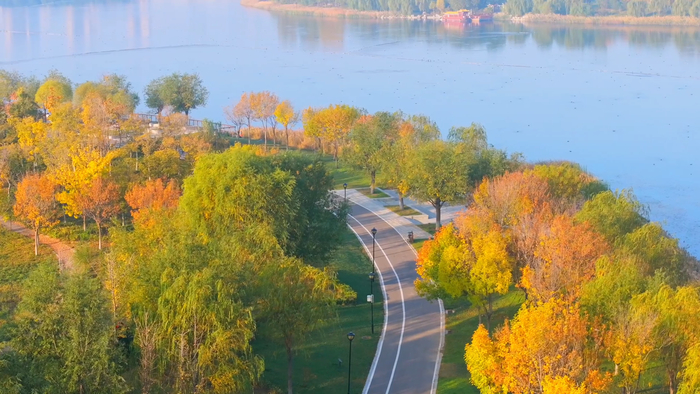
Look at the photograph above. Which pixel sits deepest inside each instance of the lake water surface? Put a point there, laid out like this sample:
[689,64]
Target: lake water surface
[624,102]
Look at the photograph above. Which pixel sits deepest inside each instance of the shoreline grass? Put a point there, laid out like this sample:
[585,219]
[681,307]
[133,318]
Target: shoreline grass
[609,20]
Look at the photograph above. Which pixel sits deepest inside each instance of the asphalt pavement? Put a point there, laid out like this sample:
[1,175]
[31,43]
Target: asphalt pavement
[410,348]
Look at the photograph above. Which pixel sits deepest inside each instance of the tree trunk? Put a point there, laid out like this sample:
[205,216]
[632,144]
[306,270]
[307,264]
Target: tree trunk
[438,206]
[84,223]
[36,241]
[401,204]
[373,176]
[286,132]
[290,369]
[99,236]
[248,132]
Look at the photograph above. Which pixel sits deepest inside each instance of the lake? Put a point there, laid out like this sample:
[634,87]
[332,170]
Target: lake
[622,101]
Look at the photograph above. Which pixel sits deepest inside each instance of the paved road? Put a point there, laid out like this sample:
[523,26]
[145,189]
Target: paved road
[409,353]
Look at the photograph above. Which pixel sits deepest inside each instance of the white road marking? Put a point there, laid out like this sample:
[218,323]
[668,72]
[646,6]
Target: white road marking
[403,308]
[378,353]
[438,359]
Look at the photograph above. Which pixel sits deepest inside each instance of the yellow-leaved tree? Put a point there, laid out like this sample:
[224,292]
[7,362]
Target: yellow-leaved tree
[75,178]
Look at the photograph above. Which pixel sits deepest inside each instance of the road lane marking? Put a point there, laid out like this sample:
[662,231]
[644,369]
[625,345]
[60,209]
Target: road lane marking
[438,359]
[380,344]
[403,306]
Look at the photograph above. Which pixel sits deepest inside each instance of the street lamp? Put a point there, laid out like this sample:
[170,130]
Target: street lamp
[370,299]
[345,187]
[351,336]
[374,237]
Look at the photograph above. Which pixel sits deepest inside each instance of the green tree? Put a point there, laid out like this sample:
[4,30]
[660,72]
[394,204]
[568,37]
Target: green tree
[437,176]
[153,94]
[613,214]
[51,93]
[65,332]
[318,224]
[296,299]
[206,334]
[370,141]
[183,92]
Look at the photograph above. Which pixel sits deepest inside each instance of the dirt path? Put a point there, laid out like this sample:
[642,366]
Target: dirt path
[64,252]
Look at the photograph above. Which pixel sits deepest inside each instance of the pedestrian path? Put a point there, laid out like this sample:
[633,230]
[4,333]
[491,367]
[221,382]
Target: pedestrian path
[402,224]
[64,253]
[448,213]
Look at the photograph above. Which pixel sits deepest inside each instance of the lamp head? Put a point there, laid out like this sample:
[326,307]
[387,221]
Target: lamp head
[371,276]
[345,185]
[374,231]
[351,336]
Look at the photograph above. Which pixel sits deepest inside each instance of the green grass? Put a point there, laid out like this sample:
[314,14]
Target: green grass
[454,377]
[316,368]
[71,231]
[406,211]
[16,261]
[429,228]
[418,244]
[345,174]
[377,193]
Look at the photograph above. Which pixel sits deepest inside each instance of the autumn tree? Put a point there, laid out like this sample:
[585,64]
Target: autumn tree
[53,92]
[75,178]
[474,264]
[244,109]
[264,105]
[544,343]
[155,197]
[287,117]
[296,299]
[331,124]
[36,204]
[370,142]
[100,202]
[565,259]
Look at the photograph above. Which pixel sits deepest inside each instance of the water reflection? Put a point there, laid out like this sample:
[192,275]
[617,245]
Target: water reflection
[309,32]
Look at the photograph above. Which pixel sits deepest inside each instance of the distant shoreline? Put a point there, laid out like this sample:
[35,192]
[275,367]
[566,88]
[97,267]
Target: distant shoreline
[612,20]
[345,13]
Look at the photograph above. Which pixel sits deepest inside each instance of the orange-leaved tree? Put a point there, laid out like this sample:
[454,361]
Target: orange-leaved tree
[36,204]
[547,346]
[565,258]
[100,202]
[153,198]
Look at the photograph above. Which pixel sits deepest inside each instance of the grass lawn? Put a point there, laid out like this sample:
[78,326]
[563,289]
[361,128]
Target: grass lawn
[16,261]
[316,368]
[406,211]
[377,193]
[429,228]
[454,377]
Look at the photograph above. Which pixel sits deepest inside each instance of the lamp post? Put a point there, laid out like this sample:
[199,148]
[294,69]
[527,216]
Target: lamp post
[371,298]
[371,279]
[345,187]
[351,336]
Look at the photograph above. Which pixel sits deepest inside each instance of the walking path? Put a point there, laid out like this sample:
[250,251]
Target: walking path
[411,344]
[64,253]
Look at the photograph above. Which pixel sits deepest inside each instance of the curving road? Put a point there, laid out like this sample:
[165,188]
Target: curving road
[410,348]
